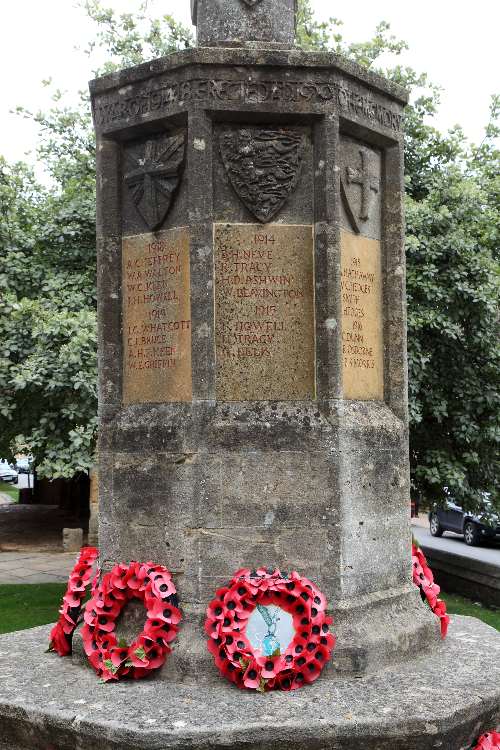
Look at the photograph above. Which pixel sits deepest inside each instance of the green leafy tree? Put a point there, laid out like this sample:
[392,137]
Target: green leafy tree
[452,239]
[47,323]
[453,292]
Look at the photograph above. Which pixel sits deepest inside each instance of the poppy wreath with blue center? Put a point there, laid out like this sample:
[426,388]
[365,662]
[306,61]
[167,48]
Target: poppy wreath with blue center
[62,633]
[235,657]
[112,658]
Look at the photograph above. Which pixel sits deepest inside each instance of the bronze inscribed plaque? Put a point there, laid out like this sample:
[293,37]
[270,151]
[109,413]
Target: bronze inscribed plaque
[264,312]
[156,317]
[362,337]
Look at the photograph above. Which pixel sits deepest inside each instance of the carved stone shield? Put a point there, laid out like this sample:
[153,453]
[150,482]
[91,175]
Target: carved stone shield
[359,185]
[154,171]
[263,165]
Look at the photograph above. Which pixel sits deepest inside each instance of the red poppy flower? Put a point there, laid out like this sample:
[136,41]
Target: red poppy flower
[270,666]
[251,677]
[212,628]
[58,641]
[88,639]
[162,586]
[311,671]
[118,655]
[215,610]
[284,680]
[72,601]
[164,611]
[489,741]
[424,580]
[167,633]
[156,657]
[119,576]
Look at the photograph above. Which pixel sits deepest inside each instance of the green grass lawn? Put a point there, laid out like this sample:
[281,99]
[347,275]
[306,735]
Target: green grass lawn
[26,605]
[11,490]
[29,604]
[457,605]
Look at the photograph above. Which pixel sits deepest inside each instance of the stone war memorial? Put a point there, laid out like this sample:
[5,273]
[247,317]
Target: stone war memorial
[253,406]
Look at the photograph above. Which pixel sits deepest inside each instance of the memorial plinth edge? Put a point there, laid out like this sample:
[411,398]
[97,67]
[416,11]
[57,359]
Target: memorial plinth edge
[443,699]
[251,57]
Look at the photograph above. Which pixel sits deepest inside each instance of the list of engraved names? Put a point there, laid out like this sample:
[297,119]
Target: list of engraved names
[156,317]
[264,312]
[362,338]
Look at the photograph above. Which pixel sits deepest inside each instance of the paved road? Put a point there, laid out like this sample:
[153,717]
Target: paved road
[488,552]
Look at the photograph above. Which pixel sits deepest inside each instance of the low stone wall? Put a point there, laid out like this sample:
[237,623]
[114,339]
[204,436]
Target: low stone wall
[457,574]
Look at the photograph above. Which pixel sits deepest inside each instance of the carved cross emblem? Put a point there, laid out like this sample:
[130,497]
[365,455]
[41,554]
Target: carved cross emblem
[368,182]
[154,176]
[263,165]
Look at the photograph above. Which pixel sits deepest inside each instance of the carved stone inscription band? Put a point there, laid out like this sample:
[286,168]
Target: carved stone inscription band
[170,97]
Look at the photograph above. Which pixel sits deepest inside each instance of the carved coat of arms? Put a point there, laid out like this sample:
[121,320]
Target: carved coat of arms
[263,165]
[153,172]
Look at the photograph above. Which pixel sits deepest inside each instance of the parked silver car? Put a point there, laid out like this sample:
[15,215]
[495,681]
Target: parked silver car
[7,473]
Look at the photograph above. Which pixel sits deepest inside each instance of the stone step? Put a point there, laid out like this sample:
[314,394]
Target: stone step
[443,700]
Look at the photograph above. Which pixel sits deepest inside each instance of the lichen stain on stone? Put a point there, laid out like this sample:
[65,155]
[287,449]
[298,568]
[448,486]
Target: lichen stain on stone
[199,144]
[187,458]
[269,519]
[203,331]
[203,252]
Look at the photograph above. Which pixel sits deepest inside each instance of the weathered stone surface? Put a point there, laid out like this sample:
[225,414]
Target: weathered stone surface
[156,300]
[360,188]
[319,484]
[443,700]
[264,312]
[239,21]
[72,539]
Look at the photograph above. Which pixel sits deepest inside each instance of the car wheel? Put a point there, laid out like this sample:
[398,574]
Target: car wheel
[435,526]
[471,534]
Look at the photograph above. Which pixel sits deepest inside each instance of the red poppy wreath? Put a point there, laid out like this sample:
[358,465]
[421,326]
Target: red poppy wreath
[113,659]
[269,630]
[424,580]
[62,632]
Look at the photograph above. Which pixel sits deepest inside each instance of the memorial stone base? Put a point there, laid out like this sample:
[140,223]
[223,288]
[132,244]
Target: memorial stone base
[443,699]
